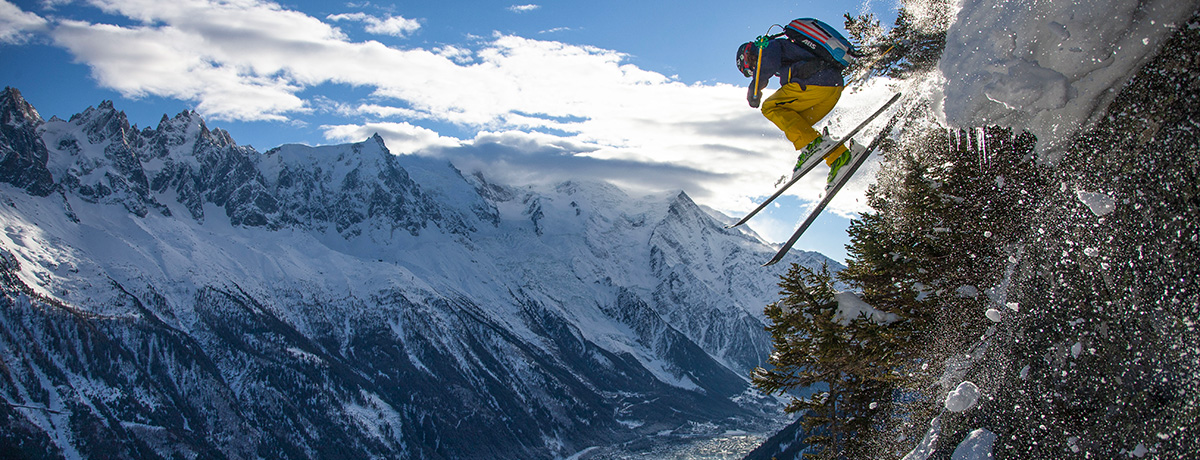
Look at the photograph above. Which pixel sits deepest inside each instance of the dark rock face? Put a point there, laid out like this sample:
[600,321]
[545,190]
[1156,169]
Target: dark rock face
[22,153]
[366,187]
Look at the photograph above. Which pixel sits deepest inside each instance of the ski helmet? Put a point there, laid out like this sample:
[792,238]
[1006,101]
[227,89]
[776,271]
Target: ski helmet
[745,59]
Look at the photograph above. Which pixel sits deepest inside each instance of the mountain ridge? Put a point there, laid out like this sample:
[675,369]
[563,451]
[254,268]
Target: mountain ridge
[342,300]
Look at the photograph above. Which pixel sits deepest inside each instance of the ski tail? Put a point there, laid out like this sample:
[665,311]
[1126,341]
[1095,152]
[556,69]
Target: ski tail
[813,164]
[838,183]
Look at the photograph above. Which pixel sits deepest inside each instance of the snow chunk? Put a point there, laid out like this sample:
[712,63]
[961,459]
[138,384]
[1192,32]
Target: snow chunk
[1139,451]
[851,307]
[1047,67]
[923,291]
[963,397]
[977,446]
[994,315]
[1029,86]
[928,443]
[1099,203]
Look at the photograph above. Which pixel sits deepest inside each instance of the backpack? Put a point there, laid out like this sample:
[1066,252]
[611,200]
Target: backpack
[822,40]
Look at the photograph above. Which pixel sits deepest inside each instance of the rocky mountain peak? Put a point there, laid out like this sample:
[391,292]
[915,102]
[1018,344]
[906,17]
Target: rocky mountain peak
[23,155]
[378,140]
[14,109]
[221,138]
[103,122]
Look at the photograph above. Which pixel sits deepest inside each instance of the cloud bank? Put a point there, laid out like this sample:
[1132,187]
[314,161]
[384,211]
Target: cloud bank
[540,110]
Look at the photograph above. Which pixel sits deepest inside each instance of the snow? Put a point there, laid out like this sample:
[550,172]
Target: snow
[923,291]
[977,446]
[851,307]
[592,241]
[1048,67]
[928,443]
[966,291]
[994,315]
[1099,203]
[579,455]
[963,397]
[374,416]
[1139,451]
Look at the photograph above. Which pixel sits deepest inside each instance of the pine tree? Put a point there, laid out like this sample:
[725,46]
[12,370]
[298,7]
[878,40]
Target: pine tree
[913,45]
[846,360]
[944,214]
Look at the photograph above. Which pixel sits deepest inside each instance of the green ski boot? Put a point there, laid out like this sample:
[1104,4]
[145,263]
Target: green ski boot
[836,167]
[806,154]
[853,150]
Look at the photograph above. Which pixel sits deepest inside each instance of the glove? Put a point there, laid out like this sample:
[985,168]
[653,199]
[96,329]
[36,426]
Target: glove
[754,97]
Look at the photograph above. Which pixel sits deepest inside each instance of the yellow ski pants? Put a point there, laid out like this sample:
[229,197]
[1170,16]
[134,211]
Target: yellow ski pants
[795,111]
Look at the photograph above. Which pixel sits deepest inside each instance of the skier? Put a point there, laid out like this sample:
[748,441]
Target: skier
[809,88]
[809,64]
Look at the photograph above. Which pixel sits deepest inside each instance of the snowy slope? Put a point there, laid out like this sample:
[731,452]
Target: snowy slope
[1049,67]
[179,293]
[1093,81]
[1088,349]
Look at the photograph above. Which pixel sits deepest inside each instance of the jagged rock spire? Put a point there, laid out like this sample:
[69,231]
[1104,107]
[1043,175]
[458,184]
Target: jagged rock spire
[23,155]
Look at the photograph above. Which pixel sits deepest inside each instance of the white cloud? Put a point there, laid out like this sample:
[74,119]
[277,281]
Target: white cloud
[392,25]
[17,25]
[243,60]
[457,54]
[523,8]
[400,138]
[167,62]
[383,111]
[591,112]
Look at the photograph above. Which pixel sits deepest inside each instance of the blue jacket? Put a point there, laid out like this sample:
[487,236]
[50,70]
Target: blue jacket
[788,61]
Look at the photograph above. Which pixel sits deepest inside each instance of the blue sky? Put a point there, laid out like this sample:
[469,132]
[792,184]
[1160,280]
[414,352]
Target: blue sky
[640,93]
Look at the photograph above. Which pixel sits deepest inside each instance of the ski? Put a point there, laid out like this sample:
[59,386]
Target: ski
[813,162]
[858,161]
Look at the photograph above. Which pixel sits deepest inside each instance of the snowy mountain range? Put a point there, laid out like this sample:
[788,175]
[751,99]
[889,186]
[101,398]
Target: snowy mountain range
[169,292]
